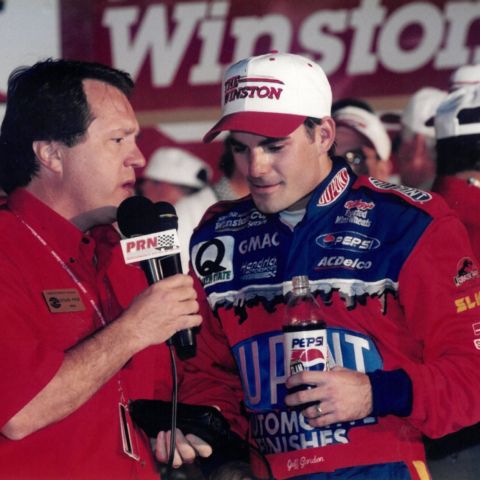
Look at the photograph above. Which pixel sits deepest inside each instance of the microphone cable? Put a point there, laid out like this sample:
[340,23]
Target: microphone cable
[171,453]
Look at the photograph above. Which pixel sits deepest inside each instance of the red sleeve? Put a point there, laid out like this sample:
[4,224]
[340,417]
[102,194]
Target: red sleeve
[439,289]
[211,377]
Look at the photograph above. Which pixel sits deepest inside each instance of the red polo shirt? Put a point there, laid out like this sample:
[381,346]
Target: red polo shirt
[35,334]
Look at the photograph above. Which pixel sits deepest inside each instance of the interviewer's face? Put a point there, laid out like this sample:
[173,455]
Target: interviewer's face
[98,173]
[282,172]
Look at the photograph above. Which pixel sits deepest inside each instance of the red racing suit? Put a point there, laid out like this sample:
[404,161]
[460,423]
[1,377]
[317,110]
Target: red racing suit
[392,267]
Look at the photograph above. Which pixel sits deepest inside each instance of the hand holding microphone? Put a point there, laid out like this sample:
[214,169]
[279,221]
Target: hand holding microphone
[171,300]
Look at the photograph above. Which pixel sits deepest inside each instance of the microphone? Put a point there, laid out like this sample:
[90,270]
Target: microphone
[152,239]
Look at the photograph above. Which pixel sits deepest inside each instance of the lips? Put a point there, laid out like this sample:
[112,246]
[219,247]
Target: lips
[263,188]
[129,186]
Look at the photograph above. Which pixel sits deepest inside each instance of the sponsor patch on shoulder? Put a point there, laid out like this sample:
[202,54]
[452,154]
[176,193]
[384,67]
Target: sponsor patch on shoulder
[466,270]
[414,194]
[334,189]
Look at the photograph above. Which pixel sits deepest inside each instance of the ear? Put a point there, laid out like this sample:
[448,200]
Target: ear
[48,154]
[325,133]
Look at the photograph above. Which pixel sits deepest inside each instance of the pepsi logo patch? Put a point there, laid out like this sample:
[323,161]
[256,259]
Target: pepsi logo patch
[347,240]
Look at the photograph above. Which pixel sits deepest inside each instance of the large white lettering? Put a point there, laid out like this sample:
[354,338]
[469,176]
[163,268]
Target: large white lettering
[460,17]
[314,39]
[211,33]
[364,21]
[151,40]
[392,55]
[162,35]
[248,30]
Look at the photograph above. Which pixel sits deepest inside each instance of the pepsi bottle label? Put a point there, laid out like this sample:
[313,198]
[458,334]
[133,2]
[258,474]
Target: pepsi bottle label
[305,349]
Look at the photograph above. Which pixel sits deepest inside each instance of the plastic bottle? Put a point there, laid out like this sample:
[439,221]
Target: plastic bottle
[305,330]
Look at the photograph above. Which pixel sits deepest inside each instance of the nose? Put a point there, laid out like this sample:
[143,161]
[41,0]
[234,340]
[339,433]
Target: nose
[136,159]
[259,163]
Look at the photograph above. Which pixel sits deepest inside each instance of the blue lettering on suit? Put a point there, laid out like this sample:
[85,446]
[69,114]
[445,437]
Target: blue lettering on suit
[276,428]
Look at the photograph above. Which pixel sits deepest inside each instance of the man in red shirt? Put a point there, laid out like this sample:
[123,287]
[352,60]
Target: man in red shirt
[81,332]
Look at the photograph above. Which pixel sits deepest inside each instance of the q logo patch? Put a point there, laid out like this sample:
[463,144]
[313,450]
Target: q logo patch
[213,260]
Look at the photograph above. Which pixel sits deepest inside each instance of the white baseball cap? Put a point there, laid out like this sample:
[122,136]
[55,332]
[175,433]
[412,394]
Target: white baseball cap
[422,106]
[178,166]
[459,114]
[465,76]
[271,95]
[368,125]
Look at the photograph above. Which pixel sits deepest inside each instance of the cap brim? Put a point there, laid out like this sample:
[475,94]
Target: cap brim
[265,124]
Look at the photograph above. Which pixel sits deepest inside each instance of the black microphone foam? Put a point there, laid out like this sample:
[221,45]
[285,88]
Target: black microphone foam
[167,215]
[137,216]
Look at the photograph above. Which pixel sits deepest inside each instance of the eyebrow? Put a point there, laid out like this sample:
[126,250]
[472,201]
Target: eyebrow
[265,142]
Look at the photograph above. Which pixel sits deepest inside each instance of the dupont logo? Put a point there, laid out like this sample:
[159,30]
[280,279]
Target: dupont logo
[413,194]
[476,328]
[348,240]
[334,189]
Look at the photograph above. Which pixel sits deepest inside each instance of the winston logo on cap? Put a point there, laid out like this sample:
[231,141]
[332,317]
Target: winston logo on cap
[234,89]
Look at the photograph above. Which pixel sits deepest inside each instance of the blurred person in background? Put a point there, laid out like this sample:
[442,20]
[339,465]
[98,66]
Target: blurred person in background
[457,129]
[173,173]
[362,139]
[415,153]
[465,76]
[230,186]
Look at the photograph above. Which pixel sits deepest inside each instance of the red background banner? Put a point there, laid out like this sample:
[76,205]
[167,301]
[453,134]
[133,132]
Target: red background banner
[176,51]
